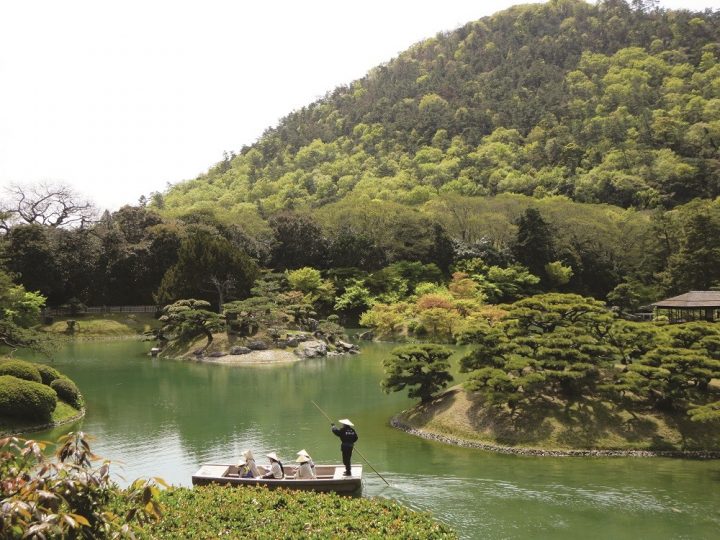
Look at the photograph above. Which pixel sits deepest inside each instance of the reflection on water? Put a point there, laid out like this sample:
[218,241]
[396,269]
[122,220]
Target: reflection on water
[163,418]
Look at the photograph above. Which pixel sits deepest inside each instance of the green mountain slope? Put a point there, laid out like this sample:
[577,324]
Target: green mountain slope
[607,103]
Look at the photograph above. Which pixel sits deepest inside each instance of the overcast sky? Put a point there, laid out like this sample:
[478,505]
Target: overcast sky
[119,98]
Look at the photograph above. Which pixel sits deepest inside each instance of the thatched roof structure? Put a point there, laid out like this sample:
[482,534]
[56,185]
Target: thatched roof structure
[692,299]
[691,306]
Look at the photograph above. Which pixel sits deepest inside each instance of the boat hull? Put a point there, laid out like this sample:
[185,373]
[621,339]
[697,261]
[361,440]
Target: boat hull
[330,479]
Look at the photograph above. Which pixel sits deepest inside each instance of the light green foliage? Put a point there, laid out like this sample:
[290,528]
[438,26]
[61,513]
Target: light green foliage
[215,511]
[558,274]
[19,312]
[355,297]
[310,282]
[424,369]
[706,413]
[20,369]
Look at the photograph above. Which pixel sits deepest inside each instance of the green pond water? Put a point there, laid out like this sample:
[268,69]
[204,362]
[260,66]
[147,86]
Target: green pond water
[163,418]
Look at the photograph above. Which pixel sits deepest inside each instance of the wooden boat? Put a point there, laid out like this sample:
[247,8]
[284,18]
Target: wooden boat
[329,478]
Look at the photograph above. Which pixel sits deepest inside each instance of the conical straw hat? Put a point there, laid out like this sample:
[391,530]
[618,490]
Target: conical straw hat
[303,452]
[346,422]
[273,456]
[247,454]
[302,459]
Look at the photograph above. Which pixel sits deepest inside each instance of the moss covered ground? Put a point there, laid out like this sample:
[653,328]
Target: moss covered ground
[107,325]
[63,413]
[589,424]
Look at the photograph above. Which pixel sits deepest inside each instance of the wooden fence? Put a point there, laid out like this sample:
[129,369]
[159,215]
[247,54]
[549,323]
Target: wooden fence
[61,311]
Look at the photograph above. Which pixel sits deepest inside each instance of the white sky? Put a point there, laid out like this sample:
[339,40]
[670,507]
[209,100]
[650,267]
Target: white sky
[119,98]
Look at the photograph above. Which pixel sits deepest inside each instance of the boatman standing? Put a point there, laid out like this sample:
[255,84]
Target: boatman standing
[348,437]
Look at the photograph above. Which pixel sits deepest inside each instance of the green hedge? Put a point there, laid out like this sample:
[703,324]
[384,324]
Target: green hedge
[21,370]
[220,511]
[67,391]
[48,374]
[26,400]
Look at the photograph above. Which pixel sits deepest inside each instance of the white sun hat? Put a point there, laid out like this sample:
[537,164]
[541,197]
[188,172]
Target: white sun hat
[303,452]
[247,454]
[346,422]
[273,456]
[302,459]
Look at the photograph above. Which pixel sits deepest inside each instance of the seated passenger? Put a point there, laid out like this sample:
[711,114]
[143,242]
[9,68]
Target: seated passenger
[276,467]
[247,466]
[304,471]
[312,463]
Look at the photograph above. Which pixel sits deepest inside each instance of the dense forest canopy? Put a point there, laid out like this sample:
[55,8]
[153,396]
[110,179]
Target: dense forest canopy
[577,142]
[615,103]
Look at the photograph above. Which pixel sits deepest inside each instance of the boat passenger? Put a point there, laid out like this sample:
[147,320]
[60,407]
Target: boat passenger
[248,467]
[304,471]
[348,437]
[303,452]
[277,470]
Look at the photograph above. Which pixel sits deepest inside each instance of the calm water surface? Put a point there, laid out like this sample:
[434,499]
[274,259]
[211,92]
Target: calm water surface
[163,418]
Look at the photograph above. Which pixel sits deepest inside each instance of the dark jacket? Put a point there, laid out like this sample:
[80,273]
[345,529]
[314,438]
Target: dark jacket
[347,435]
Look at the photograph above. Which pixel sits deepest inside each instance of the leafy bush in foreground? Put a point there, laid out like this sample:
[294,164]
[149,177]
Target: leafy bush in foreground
[26,399]
[220,511]
[21,370]
[66,498]
[67,391]
[48,374]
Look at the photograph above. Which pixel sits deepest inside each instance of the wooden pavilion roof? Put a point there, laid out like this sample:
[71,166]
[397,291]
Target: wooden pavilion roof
[692,299]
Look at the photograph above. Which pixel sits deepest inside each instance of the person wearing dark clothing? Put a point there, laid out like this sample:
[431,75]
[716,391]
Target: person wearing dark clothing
[348,437]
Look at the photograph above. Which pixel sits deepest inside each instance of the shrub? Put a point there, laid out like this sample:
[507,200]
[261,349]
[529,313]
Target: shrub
[26,399]
[21,370]
[67,391]
[48,374]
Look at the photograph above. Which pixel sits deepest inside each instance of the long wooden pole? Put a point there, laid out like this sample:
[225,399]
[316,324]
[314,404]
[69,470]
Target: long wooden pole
[358,451]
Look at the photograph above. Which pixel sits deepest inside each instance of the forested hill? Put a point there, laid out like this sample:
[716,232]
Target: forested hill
[610,102]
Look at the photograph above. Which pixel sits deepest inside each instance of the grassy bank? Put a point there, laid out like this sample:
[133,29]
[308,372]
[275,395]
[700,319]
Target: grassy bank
[592,424]
[221,511]
[106,325]
[62,414]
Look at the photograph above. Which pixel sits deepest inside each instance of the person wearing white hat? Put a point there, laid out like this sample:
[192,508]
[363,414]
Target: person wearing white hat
[304,470]
[348,437]
[303,452]
[277,470]
[247,466]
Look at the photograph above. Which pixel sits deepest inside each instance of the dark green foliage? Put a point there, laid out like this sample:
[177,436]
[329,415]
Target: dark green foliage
[189,318]
[209,267]
[48,374]
[562,348]
[534,246]
[21,370]
[423,368]
[67,391]
[299,241]
[26,400]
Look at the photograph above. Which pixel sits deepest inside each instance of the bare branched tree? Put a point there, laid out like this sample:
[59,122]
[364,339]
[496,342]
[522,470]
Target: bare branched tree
[53,205]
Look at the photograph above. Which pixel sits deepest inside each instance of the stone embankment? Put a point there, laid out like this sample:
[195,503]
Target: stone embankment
[447,439]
